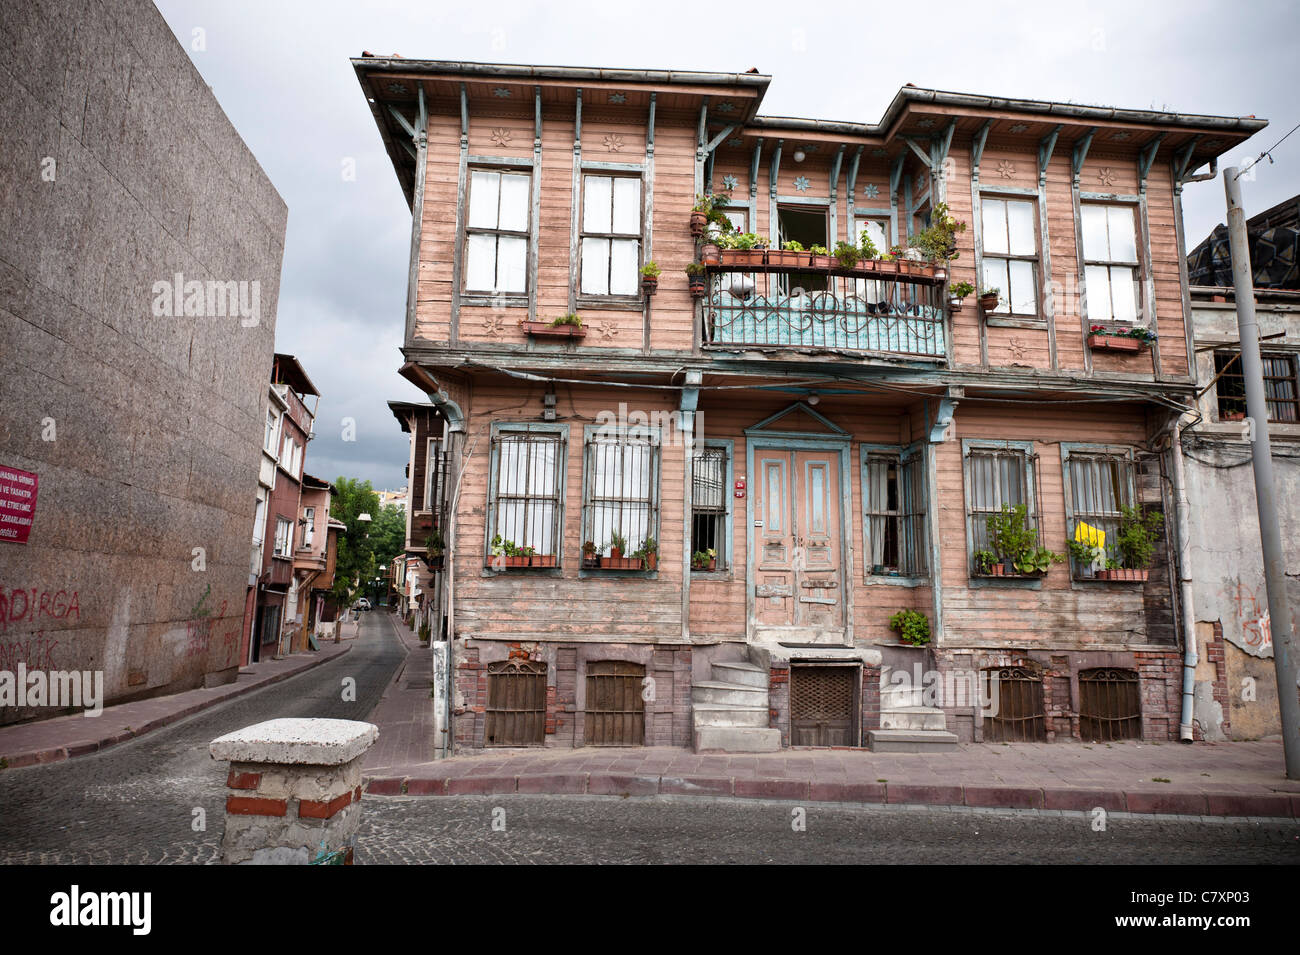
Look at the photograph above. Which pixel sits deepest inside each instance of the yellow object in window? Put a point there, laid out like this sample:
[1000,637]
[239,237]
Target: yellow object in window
[1087,534]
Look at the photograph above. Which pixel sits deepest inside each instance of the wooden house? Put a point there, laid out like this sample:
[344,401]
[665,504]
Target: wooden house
[687,516]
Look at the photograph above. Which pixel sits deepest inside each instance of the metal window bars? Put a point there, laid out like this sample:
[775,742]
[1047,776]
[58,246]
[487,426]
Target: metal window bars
[895,512]
[525,506]
[1000,476]
[1099,488]
[620,492]
[709,503]
[882,314]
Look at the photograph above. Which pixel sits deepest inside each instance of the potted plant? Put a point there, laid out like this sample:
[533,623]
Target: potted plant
[648,554]
[1136,544]
[434,550]
[957,293]
[1086,554]
[616,560]
[818,257]
[507,553]
[989,298]
[792,254]
[1015,544]
[912,627]
[711,251]
[704,560]
[566,326]
[987,563]
[650,273]
[846,256]
[1120,339]
[707,212]
[937,242]
[590,554]
[743,250]
[697,279]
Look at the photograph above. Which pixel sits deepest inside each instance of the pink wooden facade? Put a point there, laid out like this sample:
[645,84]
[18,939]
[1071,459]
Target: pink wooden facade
[831,434]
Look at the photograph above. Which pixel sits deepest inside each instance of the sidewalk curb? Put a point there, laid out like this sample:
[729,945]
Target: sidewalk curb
[1146,802]
[83,747]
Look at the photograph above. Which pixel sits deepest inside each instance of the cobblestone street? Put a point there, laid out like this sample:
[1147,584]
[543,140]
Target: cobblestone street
[102,809]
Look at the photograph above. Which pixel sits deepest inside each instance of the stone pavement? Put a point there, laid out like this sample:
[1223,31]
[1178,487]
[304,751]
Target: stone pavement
[1239,779]
[405,714]
[53,740]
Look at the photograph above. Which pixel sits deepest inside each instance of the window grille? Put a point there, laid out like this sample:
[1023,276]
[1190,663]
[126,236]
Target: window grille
[1109,705]
[515,714]
[1280,390]
[615,713]
[1020,716]
[894,495]
[525,504]
[620,493]
[1100,486]
[709,503]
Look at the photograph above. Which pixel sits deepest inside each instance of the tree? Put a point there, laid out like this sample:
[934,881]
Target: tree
[355,564]
[388,534]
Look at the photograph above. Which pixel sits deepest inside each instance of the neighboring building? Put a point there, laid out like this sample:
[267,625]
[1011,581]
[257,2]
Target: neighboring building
[830,440]
[276,615]
[426,520]
[396,498]
[314,560]
[142,251]
[1236,684]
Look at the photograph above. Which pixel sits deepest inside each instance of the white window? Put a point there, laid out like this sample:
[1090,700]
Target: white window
[286,452]
[496,253]
[269,441]
[878,229]
[524,504]
[259,522]
[611,235]
[283,537]
[739,219]
[1010,241]
[309,526]
[295,463]
[1110,262]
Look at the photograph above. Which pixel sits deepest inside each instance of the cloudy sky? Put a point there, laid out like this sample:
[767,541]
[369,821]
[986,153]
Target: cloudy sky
[280,69]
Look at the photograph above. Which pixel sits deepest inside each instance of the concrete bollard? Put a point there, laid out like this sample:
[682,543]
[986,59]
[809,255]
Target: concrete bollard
[294,790]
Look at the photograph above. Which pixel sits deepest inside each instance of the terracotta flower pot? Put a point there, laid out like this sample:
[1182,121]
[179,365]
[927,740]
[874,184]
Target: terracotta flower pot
[710,253]
[698,285]
[786,258]
[711,565]
[1123,573]
[988,302]
[651,561]
[743,258]
[649,284]
[547,330]
[542,560]
[819,261]
[698,221]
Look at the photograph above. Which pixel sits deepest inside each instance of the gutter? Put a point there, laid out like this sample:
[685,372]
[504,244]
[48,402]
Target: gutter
[1186,732]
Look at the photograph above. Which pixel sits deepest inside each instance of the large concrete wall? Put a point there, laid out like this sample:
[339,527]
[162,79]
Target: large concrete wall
[118,169]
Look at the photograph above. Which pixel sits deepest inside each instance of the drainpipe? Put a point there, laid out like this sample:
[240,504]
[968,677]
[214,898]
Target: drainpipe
[1181,509]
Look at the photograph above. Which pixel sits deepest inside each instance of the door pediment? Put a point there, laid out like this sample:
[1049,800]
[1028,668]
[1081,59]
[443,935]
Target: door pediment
[798,419]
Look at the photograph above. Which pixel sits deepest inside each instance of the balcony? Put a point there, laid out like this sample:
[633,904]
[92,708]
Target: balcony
[876,308]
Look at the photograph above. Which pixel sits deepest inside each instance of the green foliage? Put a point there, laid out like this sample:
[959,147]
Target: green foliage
[1136,542]
[712,207]
[742,240]
[866,247]
[651,270]
[356,561]
[590,549]
[700,559]
[846,255]
[818,250]
[1038,560]
[388,534]
[793,245]
[990,291]
[960,289]
[984,560]
[570,319]
[503,547]
[938,241]
[434,545]
[912,627]
[695,268]
[424,633]
[617,540]
[1010,535]
[1084,554]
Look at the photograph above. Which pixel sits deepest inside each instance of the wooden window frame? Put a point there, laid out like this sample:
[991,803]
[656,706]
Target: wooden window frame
[1127,460]
[1029,464]
[502,297]
[1039,317]
[1137,266]
[430,464]
[598,298]
[907,457]
[1232,369]
[288,548]
[725,554]
[593,435]
[501,429]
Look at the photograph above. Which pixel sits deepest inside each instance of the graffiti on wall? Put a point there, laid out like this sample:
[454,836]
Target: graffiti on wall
[34,605]
[1250,605]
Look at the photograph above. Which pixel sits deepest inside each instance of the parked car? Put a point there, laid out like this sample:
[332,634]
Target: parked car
[362,604]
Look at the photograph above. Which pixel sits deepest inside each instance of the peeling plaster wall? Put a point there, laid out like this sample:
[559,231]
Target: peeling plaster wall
[118,169]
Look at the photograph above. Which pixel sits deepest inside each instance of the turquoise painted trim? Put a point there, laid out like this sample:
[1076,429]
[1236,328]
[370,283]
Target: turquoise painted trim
[562,458]
[728,569]
[613,166]
[760,428]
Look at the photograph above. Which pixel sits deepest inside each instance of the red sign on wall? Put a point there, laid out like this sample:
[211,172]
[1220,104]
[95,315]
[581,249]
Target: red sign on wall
[17,504]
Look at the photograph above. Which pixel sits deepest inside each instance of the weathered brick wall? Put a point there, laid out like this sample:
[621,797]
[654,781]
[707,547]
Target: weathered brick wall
[1160,683]
[778,701]
[870,700]
[120,170]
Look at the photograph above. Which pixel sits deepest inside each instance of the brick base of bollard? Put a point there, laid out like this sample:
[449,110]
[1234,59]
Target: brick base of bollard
[293,794]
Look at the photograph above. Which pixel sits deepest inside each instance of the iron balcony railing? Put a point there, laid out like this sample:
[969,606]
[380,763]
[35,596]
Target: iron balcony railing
[834,310]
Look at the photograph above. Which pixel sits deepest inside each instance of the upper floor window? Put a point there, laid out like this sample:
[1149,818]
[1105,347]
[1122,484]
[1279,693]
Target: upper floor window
[1110,262]
[308,526]
[496,244]
[620,496]
[433,475]
[1010,254]
[283,537]
[611,235]
[268,442]
[894,510]
[1280,386]
[525,492]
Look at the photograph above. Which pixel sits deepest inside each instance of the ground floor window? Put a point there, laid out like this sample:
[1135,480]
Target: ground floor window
[516,704]
[710,508]
[1110,705]
[894,511]
[1020,715]
[615,712]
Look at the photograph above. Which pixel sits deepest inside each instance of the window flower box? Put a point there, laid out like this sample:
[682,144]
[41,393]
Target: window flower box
[620,563]
[787,258]
[547,330]
[1123,573]
[541,560]
[743,258]
[1115,343]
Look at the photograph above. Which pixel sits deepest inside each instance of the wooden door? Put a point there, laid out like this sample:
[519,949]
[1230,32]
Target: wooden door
[797,572]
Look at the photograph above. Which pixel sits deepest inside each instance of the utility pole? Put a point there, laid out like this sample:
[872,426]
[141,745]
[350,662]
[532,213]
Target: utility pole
[1279,616]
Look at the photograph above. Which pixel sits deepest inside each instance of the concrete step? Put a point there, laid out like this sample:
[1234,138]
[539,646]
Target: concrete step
[895,695]
[713,691]
[737,739]
[911,741]
[729,714]
[912,718]
[746,674]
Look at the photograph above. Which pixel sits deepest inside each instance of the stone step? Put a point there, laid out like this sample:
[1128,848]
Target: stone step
[746,674]
[911,741]
[714,691]
[895,694]
[912,718]
[729,714]
[737,739]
